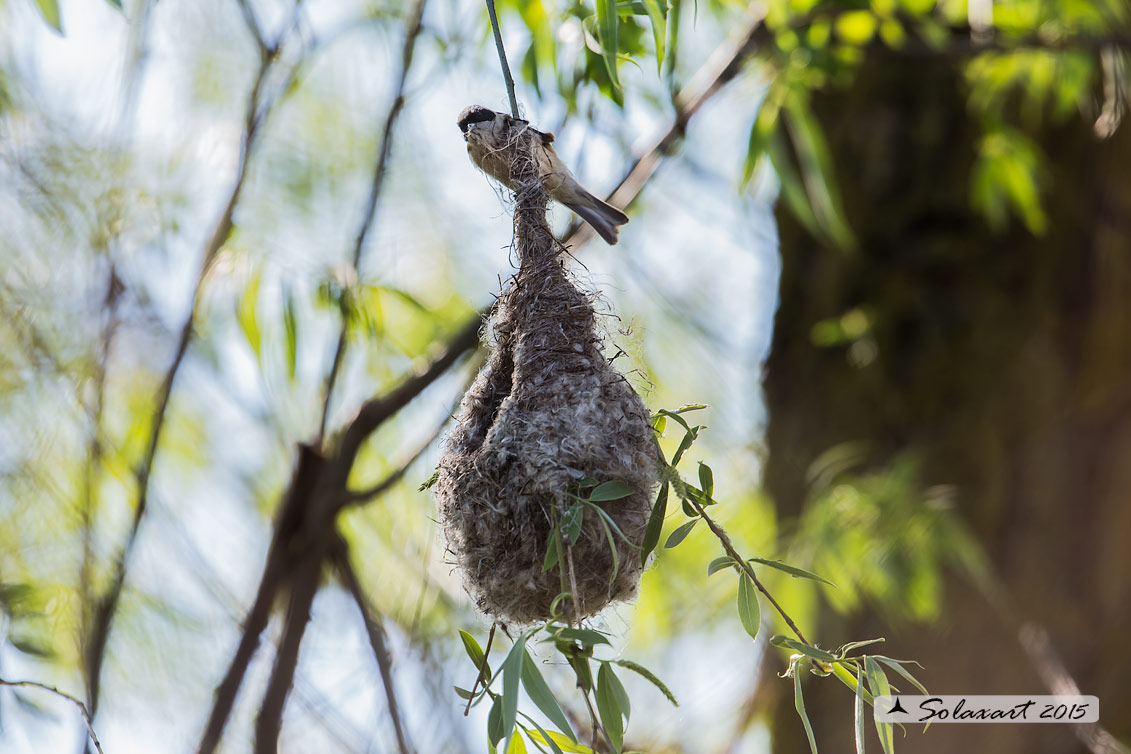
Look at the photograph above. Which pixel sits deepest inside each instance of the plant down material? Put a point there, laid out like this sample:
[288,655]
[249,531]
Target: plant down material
[547,411]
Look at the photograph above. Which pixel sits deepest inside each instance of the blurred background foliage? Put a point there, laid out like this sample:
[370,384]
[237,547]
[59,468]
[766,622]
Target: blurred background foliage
[944,424]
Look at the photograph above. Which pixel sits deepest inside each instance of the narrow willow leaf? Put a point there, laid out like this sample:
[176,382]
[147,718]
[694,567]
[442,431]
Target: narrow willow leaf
[246,310]
[621,695]
[475,652]
[844,676]
[684,444]
[587,637]
[719,564]
[614,490]
[609,708]
[680,534]
[706,480]
[552,554]
[748,611]
[571,522]
[815,160]
[517,746]
[799,704]
[815,652]
[604,515]
[116,3]
[675,417]
[50,11]
[878,682]
[463,693]
[659,30]
[560,743]
[607,30]
[894,665]
[650,677]
[580,665]
[512,675]
[688,407]
[290,325]
[794,571]
[541,695]
[843,651]
[542,737]
[495,723]
[655,524]
[612,547]
[659,423]
[859,711]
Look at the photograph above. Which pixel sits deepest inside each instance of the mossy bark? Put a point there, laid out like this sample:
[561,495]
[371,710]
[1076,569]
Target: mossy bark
[1003,362]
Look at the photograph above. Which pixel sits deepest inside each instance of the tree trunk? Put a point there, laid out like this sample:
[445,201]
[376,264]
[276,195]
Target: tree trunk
[1003,363]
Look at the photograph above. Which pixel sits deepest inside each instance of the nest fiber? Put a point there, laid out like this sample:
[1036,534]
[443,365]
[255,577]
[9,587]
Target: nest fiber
[546,411]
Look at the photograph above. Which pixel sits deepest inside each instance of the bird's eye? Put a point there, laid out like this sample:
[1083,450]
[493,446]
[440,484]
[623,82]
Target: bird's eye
[474,114]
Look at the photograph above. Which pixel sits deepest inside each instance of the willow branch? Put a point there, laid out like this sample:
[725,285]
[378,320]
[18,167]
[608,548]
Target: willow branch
[507,78]
[365,227]
[73,700]
[108,604]
[376,634]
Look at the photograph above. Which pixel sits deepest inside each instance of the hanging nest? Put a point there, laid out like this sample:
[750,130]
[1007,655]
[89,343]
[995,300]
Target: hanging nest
[547,418]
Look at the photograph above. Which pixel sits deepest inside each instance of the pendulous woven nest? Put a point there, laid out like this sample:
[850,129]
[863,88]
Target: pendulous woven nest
[547,410]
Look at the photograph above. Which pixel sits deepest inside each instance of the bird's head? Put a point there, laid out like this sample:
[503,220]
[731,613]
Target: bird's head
[473,116]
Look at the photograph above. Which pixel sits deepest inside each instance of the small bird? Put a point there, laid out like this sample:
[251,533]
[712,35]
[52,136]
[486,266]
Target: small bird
[491,137]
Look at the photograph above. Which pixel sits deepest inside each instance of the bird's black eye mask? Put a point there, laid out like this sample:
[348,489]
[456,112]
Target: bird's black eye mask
[474,114]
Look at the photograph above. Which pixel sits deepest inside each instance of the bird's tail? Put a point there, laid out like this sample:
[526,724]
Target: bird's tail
[602,216]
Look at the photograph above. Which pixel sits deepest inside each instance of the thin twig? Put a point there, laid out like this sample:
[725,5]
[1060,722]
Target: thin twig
[722,536]
[482,669]
[376,633]
[108,604]
[507,78]
[365,227]
[73,700]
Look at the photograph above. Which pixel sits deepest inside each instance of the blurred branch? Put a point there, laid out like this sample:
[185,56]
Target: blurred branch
[412,32]
[73,700]
[108,604]
[1035,640]
[507,78]
[376,633]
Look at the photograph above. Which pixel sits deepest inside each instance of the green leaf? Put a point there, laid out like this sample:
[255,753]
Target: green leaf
[659,30]
[290,324]
[815,652]
[551,738]
[463,693]
[586,637]
[680,534]
[609,708]
[748,611]
[552,554]
[844,676]
[612,549]
[512,675]
[541,695]
[544,738]
[655,524]
[659,423]
[719,564]
[688,438]
[706,480]
[614,490]
[495,723]
[611,524]
[843,651]
[50,11]
[815,160]
[798,573]
[517,746]
[580,665]
[608,22]
[897,667]
[649,676]
[571,522]
[475,652]
[878,683]
[116,3]
[246,309]
[859,711]
[430,482]
[799,704]
[760,132]
[621,695]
